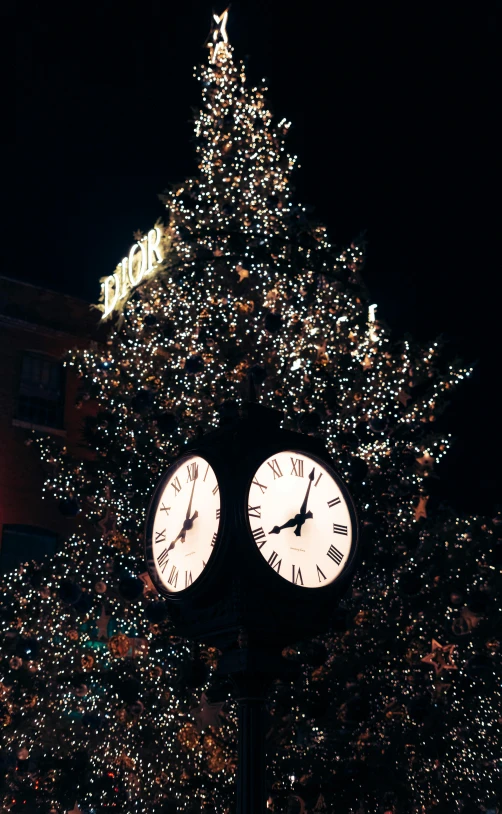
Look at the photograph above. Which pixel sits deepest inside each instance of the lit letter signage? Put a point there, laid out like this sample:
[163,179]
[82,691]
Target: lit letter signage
[143,259]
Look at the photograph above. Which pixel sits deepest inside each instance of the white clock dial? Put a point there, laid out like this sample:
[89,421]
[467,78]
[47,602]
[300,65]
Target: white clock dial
[300,519]
[186,523]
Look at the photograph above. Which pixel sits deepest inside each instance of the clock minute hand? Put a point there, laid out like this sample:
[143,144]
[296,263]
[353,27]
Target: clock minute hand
[191,496]
[303,514]
[188,522]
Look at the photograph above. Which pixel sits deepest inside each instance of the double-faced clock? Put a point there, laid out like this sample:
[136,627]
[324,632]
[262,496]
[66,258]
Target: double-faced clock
[251,533]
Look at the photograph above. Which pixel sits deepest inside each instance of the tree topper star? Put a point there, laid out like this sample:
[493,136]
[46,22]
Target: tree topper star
[440,657]
[219,35]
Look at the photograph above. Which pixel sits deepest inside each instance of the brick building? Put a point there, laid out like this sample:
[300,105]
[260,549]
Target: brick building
[37,327]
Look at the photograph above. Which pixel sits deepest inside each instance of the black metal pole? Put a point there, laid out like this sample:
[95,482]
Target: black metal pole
[251,787]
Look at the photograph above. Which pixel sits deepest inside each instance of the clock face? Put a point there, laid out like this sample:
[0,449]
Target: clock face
[300,519]
[186,520]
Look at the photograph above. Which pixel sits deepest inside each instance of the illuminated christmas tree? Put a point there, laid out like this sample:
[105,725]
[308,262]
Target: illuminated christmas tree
[395,707]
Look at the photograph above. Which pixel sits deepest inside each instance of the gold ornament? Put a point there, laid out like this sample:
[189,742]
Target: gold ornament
[440,657]
[420,509]
[119,645]
[118,541]
[188,736]
[465,623]
[87,661]
[210,656]
[73,635]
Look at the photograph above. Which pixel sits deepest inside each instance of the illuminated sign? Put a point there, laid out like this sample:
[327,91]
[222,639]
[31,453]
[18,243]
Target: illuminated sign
[143,259]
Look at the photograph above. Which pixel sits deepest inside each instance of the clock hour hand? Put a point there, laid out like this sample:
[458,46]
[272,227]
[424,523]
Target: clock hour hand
[288,525]
[187,525]
[181,536]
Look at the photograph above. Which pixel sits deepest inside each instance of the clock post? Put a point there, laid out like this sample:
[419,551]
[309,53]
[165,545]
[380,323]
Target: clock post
[271,535]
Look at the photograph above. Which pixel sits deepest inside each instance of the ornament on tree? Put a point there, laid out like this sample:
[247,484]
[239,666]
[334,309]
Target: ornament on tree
[273,322]
[118,645]
[130,587]
[420,509]
[464,624]
[102,624]
[425,463]
[194,364]
[87,661]
[188,736]
[440,657]
[107,523]
[207,714]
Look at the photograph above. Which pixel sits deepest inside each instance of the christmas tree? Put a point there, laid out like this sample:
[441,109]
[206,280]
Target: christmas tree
[395,708]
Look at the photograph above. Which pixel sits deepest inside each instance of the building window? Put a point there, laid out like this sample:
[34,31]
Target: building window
[24,543]
[41,391]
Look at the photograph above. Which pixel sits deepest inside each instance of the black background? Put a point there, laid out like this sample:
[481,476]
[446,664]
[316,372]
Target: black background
[393,111]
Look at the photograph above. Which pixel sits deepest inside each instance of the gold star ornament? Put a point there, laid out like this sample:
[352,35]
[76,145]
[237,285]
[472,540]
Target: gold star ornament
[440,657]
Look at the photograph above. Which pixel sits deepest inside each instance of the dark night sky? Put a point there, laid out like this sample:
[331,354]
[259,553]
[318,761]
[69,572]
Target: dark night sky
[393,112]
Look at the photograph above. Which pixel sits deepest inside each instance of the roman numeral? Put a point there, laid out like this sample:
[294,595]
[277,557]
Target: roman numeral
[337,529]
[320,573]
[276,469]
[193,471]
[214,538]
[218,514]
[160,536]
[207,470]
[334,502]
[259,534]
[297,576]
[163,559]
[176,486]
[215,489]
[173,576]
[272,561]
[188,578]
[335,555]
[318,479]
[297,467]
[165,509]
[262,487]
[254,511]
